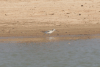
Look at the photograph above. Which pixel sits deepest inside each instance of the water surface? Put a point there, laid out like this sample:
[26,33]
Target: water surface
[73,53]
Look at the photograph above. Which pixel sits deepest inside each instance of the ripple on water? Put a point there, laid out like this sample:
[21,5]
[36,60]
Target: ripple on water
[79,53]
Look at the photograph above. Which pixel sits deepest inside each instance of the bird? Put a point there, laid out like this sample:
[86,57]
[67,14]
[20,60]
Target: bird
[49,31]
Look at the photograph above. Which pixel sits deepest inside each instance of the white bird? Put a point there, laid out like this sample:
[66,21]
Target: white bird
[49,31]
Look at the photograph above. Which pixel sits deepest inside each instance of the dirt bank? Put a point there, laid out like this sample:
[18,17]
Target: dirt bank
[30,17]
[34,32]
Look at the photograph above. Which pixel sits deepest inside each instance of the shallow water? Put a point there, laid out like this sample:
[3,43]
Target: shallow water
[73,53]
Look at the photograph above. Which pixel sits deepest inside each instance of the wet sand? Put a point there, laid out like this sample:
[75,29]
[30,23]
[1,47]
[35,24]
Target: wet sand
[28,18]
[34,33]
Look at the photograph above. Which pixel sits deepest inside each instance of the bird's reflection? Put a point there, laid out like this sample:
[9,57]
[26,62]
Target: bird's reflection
[50,38]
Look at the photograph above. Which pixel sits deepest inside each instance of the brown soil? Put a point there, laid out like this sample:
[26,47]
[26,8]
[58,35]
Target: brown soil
[32,30]
[31,17]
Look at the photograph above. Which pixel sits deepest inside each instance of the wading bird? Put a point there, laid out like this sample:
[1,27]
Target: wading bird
[49,31]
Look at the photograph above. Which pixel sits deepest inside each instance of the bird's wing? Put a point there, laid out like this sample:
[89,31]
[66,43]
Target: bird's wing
[46,31]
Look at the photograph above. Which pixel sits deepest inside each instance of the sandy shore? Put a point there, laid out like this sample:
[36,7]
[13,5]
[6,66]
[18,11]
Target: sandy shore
[27,18]
[25,33]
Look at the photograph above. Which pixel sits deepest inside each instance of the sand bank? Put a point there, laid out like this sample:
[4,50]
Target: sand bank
[35,34]
[27,18]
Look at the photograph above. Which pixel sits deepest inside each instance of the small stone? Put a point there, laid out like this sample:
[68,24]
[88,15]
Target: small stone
[52,14]
[81,5]
[79,14]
